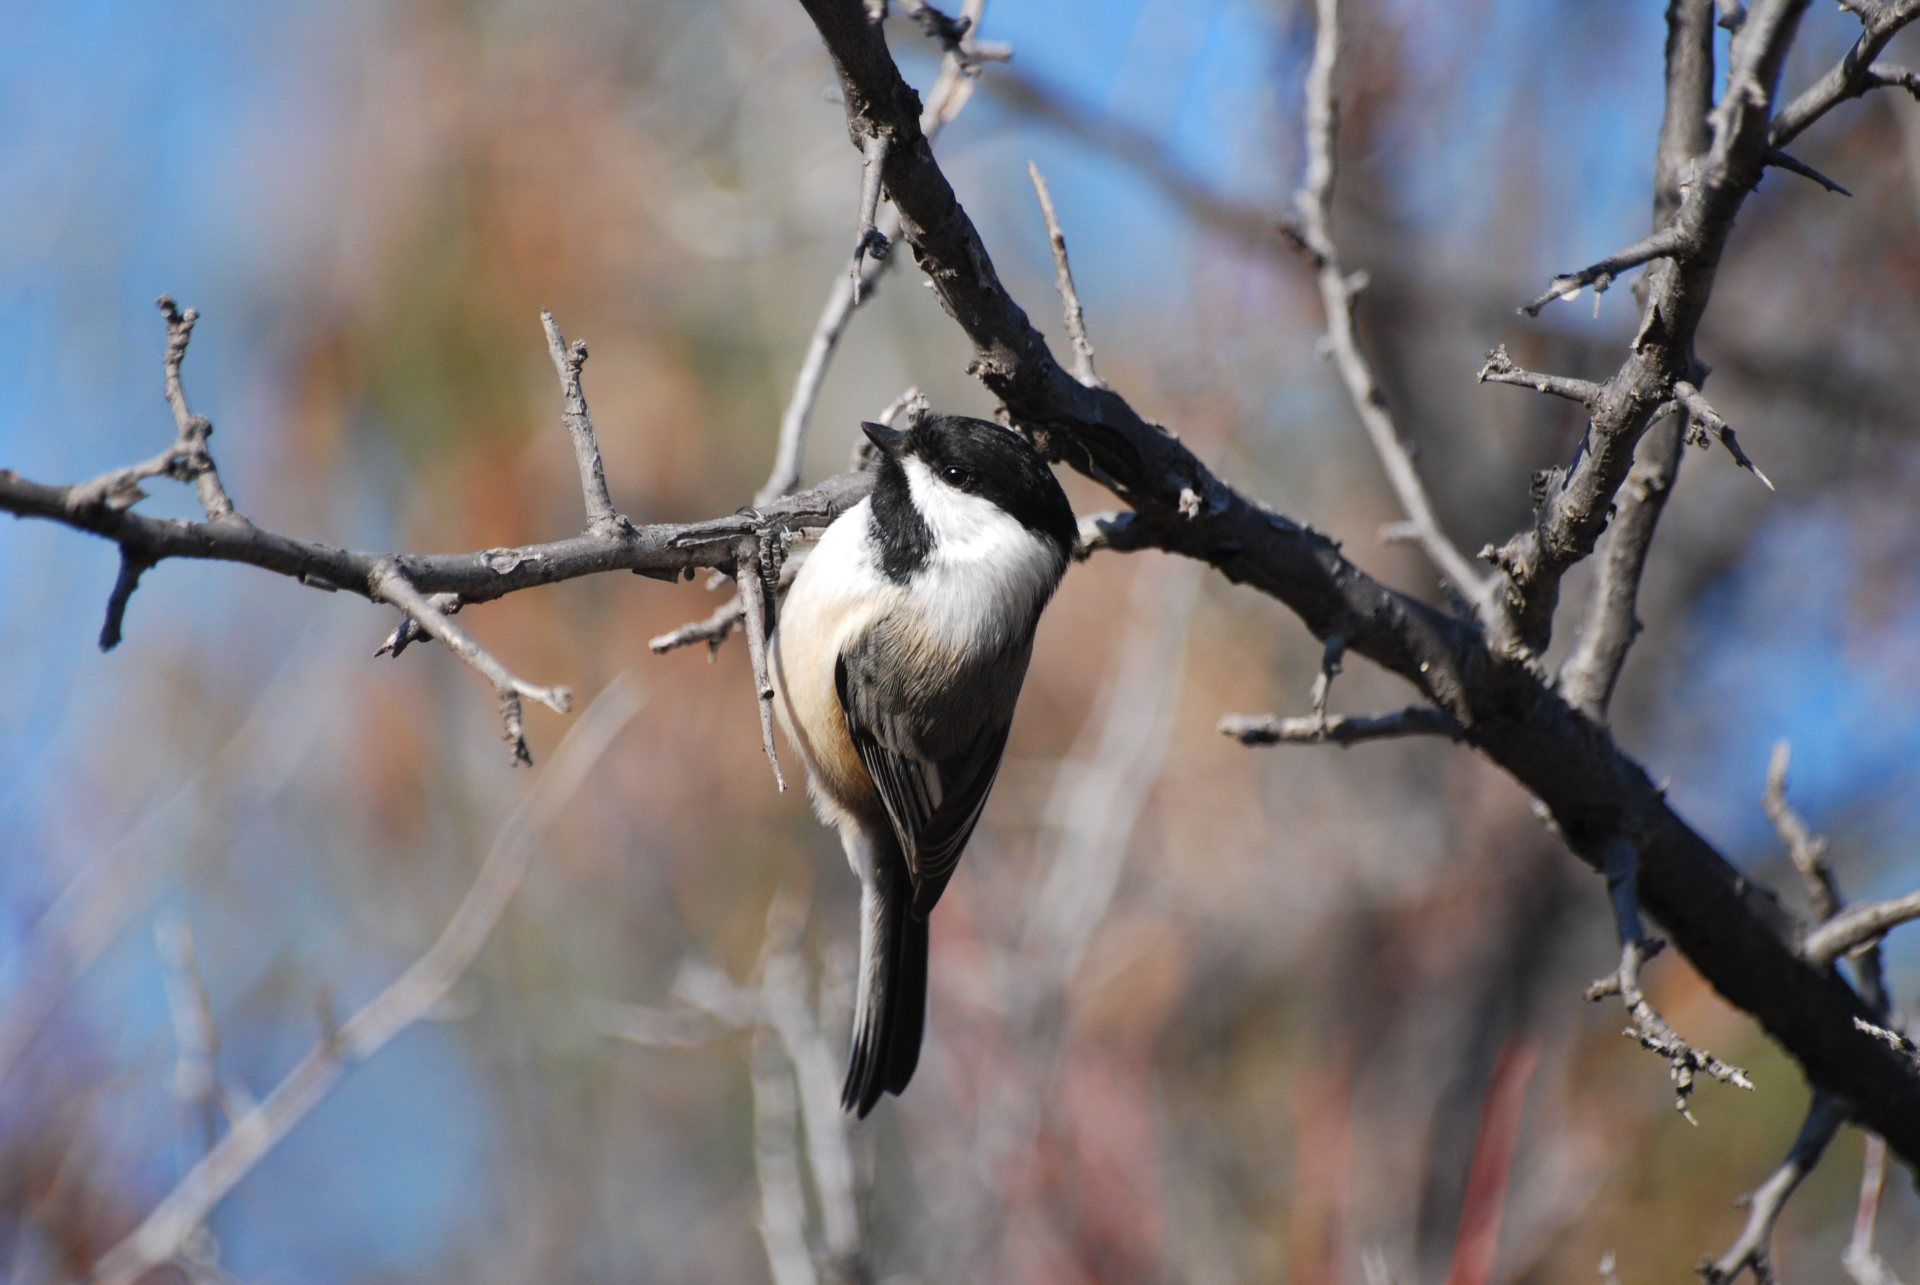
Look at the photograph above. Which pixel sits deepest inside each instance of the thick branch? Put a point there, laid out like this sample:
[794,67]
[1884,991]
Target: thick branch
[1732,928]
[1612,624]
[1577,503]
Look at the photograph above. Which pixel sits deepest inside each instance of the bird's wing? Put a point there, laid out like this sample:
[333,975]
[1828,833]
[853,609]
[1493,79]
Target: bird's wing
[933,802]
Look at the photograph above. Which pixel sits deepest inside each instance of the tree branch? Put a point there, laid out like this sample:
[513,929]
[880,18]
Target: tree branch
[1340,729]
[1854,74]
[1339,293]
[1752,1250]
[1063,282]
[1732,928]
[567,362]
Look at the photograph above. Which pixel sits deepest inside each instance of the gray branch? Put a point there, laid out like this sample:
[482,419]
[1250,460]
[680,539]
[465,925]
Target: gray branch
[1339,729]
[1732,928]
[1339,294]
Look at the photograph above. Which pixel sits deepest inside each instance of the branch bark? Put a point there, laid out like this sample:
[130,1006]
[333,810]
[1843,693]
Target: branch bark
[1733,929]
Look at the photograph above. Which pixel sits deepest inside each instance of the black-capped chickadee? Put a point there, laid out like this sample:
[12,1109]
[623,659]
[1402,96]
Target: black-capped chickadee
[896,665]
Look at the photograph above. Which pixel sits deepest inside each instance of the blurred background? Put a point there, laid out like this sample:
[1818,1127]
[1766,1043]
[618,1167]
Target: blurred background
[1199,1012]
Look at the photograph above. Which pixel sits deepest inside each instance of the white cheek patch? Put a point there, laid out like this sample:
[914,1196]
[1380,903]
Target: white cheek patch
[987,573]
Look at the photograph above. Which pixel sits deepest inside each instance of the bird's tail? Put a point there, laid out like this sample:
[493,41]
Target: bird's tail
[890,1012]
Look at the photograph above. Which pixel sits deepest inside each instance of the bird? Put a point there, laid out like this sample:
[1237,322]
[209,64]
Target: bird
[896,663]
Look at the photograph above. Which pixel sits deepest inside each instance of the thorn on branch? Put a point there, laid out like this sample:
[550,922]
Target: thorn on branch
[1700,413]
[1793,165]
[1330,657]
[408,631]
[389,584]
[132,567]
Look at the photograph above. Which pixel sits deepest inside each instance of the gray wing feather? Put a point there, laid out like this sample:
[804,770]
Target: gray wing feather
[933,801]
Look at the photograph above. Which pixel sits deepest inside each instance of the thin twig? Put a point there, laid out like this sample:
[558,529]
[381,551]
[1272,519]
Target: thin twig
[949,94]
[1340,729]
[1752,1249]
[567,361]
[389,583]
[196,1077]
[712,631]
[1861,1260]
[1859,925]
[1339,292]
[1661,244]
[1083,369]
[1807,850]
[410,997]
[1853,75]
[1794,165]
[869,241]
[1648,1027]
[1500,369]
[757,614]
[193,429]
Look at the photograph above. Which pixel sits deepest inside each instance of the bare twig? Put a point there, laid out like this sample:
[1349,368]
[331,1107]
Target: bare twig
[776,1167]
[1647,1026]
[1613,622]
[1340,729]
[869,241]
[1703,415]
[1861,1261]
[1854,74]
[1500,369]
[193,429]
[567,361]
[785,1011]
[756,611]
[389,583]
[405,1001]
[1859,925]
[1063,282]
[1752,1249]
[1339,292]
[949,94]
[712,631]
[1660,244]
[196,1077]
[1807,850]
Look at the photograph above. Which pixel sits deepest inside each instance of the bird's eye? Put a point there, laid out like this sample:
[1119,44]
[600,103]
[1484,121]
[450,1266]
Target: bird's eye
[955,476]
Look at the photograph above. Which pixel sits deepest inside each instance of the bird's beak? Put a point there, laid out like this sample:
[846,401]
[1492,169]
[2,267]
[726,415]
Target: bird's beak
[888,441]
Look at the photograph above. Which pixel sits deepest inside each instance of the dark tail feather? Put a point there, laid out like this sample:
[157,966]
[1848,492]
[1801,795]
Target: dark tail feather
[891,1009]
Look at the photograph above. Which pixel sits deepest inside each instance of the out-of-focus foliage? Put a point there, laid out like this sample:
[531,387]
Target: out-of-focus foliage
[1272,1057]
